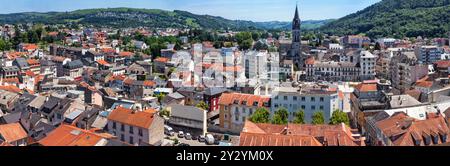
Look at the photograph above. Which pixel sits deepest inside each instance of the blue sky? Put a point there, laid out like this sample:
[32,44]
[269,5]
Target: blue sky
[255,10]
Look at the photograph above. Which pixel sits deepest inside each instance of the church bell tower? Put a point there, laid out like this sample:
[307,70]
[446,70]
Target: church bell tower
[295,51]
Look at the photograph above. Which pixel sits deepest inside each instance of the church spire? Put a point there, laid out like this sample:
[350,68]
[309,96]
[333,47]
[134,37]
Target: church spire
[296,22]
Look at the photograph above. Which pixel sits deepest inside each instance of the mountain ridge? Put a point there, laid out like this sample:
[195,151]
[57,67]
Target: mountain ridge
[135,17]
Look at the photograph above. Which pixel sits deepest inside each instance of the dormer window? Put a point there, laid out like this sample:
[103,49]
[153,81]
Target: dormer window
[444,138]
[255,103]
[427,139]
[435,139]
[236,102]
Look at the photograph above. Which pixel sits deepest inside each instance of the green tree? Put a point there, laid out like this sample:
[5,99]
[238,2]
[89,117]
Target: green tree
[33,37]
[318,118]
[5,45]
[281,116]
[261,115]
[260,46]
[256,36]
[246,44]
[160,96]
[299,117]
[202,105]
[339,117]
[244,40]
[165,113]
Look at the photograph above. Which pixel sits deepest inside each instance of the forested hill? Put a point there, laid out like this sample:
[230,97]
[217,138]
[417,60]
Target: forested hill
[131,17]
[396,18]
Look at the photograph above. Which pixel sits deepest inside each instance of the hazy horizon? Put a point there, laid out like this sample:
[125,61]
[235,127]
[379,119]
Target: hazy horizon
[272,10]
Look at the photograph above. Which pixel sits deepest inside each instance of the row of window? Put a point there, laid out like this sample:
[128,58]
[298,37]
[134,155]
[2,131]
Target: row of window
[131,129]
[303,107]
[295,98]
[244,110]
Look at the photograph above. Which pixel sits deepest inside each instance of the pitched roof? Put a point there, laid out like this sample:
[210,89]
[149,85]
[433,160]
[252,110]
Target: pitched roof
[33,62]
[161,59]
[425,82]
[108,50]
[443,64]
[257,139]
[66,135]
[363,87]
[102,62]
[12,132]
[187,112]
[132,118]
[243,99]
[310,61]
[405,131]
[297,135]
[126,54]
[11,88]
[29,47]
[149,83]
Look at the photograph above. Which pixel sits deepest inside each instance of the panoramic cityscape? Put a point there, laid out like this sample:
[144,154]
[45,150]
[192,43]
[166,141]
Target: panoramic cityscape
[373,74]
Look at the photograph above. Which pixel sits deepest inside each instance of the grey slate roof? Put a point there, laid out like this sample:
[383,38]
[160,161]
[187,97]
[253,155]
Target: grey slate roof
[187,112]
[41,130]
[74,64]
[22,63]
[214,91]
[22,103]
[10,118]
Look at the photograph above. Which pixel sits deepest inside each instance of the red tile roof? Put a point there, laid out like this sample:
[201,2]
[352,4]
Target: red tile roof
[405,131]
[297,135]
[12,132]
[30,73]
[161,59]
[443,64]
[149,83]
[254,139]
[66,135]
[231,98]
[11,88]
[33,62]
[425,82]
[30,47]
[128,81]
[367,87]
[126,54]
[310,61]
[118,77]
[132,118]
[11,80]
[108,50]
[14,55]
[102,62]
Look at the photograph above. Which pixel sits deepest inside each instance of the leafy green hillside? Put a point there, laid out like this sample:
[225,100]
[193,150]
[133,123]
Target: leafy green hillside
[130,17]
[396,18]
[306,25]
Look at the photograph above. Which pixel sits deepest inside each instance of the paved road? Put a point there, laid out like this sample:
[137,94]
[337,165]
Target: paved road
[190,142]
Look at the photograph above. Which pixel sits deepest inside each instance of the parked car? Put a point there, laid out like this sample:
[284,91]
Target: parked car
[209,139]
[168,131]
[183,144]
[194,137]
[180,134]
[202,139]
[188,136]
